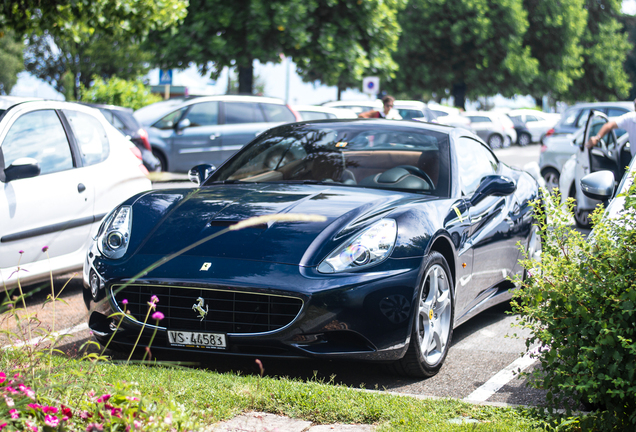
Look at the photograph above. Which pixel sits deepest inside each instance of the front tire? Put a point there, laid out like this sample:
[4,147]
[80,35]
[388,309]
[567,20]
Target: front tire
[432,321]
[163,164]
[551,178]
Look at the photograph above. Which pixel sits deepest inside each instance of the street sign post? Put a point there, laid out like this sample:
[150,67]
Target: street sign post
[165,78]
[371,85]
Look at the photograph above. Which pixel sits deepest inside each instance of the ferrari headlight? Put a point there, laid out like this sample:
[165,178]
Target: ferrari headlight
[114,234]
[371,246]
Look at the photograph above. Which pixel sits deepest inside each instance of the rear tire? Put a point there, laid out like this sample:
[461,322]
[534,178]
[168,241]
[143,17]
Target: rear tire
[495,141]
[524,139]
[163,164]
[551,178]
[432,321]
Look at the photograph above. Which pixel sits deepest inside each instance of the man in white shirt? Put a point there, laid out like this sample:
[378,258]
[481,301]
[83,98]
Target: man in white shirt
[388,112]
[626,121]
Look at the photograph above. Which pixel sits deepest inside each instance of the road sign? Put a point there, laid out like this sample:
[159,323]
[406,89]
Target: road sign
[165,76]
[371,85]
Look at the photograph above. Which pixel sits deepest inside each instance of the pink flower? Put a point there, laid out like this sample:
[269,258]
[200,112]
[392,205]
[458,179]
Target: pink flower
[103,398]
[8,401]
[20,252]
[35,407]
[94,427]
[45,248]
[137,424]
[85,415]
[49,410]
[3,377]
[2,426]
[157,316]
[32,426]
[124,301]
[27,391]
[51,420]
[14,413]
[115,412]
[67,411]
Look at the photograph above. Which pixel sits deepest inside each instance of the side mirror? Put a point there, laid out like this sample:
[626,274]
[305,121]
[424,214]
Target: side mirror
[493,185]
[598,185]
[22,168]
[185,123]
[199,173]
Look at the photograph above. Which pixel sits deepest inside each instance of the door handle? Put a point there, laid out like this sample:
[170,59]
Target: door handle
[214,136]
[81,188]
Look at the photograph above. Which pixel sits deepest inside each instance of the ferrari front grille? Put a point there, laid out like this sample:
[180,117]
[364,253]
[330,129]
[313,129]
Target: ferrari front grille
[215,310]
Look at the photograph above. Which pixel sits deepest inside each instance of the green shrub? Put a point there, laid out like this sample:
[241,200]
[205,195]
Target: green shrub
[579,304]
[116,91]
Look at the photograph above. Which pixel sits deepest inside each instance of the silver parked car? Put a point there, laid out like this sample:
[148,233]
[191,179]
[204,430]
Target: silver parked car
[317,112]
[611,154]
[495,128]
[536,122]
[192,131]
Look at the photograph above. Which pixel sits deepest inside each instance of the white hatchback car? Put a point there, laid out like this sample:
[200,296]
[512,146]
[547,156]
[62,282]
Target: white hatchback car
[63,167]
[316,112]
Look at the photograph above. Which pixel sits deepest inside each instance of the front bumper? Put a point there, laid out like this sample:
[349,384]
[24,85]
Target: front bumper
[364,316]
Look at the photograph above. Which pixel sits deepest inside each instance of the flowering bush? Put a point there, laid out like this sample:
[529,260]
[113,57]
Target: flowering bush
[121,410]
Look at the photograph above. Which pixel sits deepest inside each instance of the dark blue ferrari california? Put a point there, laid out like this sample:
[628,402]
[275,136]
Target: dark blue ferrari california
[416,230]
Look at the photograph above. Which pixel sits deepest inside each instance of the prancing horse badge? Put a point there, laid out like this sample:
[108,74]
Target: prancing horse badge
[205,267]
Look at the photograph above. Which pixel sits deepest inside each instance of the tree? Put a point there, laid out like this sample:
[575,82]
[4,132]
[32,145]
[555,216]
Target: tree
[77,18]
[334,41]
[560,62]
[605,47]
[629,24]
[217,34]
[472,47]
[347,40]
[11,61]
[67,64]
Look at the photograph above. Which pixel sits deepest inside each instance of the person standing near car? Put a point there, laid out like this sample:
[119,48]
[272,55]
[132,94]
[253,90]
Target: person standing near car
[388,112]
[626,121]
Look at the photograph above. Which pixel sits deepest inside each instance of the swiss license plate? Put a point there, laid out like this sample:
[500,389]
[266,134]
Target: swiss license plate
[196,339]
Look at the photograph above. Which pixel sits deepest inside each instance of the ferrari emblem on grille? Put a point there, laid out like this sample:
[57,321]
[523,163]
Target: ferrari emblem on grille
[199,308]
[205,267]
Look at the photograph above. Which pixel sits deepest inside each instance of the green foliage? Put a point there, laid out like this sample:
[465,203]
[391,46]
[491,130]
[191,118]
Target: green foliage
[347,40]
[80,18]
[335,41]
[560,63]
[11,61]
[580,305]
[54,58]
[604,48]
[116,91]
[474,47]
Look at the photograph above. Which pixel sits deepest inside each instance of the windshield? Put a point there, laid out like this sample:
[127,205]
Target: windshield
[359,153]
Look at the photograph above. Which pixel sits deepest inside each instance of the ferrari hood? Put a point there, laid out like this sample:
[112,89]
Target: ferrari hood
[166,221]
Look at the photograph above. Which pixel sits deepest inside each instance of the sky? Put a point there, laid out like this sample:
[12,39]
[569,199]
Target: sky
[280,81]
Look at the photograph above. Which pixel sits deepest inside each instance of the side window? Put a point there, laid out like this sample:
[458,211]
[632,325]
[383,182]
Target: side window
[107,114]
[38,135]
[169,121]
[242,112]
[479,119]
[119,125]
[90,136]
[277,113]
[616,112]
[475,162]
[315,115]
[531,118]
[569,117]
[203,114]
[583,118]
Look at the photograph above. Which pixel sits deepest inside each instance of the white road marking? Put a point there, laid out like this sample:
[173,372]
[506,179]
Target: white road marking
[78,328]
[501,378]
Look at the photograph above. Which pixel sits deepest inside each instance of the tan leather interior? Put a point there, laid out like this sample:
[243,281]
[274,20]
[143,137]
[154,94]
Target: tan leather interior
[375,162]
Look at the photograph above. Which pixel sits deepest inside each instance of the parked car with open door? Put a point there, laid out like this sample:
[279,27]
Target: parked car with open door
[611,154]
